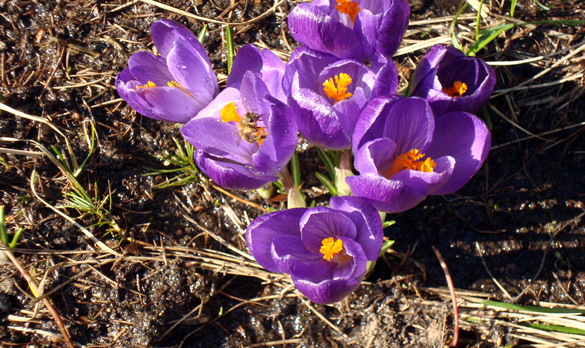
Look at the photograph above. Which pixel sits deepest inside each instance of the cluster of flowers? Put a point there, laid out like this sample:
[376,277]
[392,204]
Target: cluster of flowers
[338,90]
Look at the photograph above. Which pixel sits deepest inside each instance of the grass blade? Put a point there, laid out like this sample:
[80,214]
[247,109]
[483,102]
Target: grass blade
[479,19]
[512,7]
[230,48]
[201,36]
[454,41]
[327,183]
[295,167]
[534,309]
[328,161]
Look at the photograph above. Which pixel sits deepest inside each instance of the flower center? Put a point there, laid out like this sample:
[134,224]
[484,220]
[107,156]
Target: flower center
[411,160]
[247,128]
[330,248]
[349,7]
[457,90]
[230,113]
[337,90]
[150,84]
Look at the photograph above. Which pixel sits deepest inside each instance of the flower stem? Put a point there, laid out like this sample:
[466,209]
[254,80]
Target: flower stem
[286,180]
[295,198]
[345,159]
[343,172]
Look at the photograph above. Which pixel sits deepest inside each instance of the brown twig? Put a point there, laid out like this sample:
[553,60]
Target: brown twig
[453,296]
[46,301]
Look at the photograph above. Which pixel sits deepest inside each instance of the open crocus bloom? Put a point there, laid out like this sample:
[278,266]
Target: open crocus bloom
[404,153]
[350,28]
[326,94]
[174,86]
[451,81]
[325,250]
[246,136]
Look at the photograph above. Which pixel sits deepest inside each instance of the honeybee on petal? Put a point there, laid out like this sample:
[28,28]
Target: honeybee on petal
[248,128]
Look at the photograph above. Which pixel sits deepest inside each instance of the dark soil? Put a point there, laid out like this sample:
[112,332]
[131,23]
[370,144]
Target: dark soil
[521,214]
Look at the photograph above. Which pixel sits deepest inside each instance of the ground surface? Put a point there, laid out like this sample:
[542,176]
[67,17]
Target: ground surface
[177,252]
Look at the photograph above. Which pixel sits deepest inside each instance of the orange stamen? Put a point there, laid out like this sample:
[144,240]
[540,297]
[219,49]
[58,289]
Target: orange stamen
[260,133]
[150,84]
[411,160]
[230,113]
[176,84]
[457,90]
[330,248]
[337,90]
[349,7]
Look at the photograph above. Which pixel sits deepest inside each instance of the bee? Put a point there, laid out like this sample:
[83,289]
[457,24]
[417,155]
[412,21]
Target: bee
[249,130]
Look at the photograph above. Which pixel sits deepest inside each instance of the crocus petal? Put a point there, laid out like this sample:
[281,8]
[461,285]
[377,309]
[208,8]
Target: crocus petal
[145,66]
[375,156]
[253,91]
[218,138]
[313,27]
[391,196]
[291,256]
[467,139]
[262,230]
[356,268]
[386,77]
[192,71]
[428,182]
[423,78]
[278,148]
[360,74]
[164,33]
[441,68]
[303,68]
[410,123]
[366,218]
[393,27]
[231,175]
[321,223]
[159,103]
[264,64]
[348,110]
[369,126]
[326,290]
[316,121]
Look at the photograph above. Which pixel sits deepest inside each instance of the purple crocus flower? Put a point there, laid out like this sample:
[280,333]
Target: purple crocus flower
[351,28]
[326,94]
[451,81]
[245,136]
[325,250]
[404,153]
[174,86]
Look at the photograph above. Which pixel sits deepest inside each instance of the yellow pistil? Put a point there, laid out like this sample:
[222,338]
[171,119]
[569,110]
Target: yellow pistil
[330,248]
[411,160]
[150,84]
[230,113]
[177,85]
[340,92]
[457,90]
[349,7]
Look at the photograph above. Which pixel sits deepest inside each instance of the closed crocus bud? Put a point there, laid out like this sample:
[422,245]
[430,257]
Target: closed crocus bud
[351,28]
[174,86]
[246,136]
[451,81]
[404,153]
[326,94]
[325,250]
